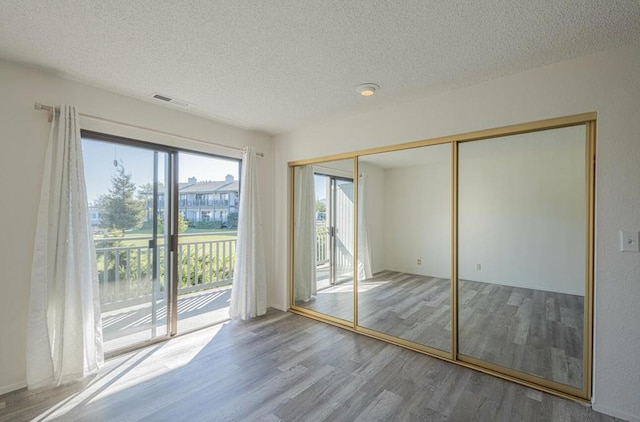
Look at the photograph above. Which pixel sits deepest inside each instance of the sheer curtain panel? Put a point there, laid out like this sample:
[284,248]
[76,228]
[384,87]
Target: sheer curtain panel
[304,234]
[64,332]
[364,249]
[249,290]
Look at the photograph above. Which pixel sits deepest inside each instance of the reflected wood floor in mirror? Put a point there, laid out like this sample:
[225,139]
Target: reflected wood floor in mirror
[336,301]
[408,306]
[532,331]
[285,367]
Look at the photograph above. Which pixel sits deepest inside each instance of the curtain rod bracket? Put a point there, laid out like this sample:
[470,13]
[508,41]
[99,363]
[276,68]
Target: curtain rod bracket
[40,106]
[49,110]
[259,154]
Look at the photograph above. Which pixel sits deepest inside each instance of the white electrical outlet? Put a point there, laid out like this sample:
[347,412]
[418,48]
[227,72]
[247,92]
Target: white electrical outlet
[419,261]
[629,241]
[478,267]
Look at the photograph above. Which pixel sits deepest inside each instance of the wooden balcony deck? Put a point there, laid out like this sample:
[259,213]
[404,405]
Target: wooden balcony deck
[137,323]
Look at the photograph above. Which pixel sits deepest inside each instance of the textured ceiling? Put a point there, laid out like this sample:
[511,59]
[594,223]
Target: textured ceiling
[275,65]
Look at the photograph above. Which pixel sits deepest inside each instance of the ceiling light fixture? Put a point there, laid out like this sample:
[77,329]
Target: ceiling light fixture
[367,90]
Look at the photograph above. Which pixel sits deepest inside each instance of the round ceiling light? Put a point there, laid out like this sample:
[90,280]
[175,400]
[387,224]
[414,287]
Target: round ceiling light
[367,90]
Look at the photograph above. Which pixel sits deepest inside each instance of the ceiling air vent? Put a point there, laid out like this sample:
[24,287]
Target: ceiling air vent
[170,100]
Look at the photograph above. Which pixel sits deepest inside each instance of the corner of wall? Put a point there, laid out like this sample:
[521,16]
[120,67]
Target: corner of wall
[616,414]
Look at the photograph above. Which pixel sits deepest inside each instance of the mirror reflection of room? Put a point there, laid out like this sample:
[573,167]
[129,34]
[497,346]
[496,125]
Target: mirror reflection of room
[404,244]
[324,238]
[522,246]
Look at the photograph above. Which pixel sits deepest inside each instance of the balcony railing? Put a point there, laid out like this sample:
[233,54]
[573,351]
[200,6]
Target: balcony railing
[322,245]
[126,273]
[203,203]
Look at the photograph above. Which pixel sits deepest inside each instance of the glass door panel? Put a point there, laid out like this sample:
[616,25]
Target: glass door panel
[342,232]
[127,191]
[324,244]
[208,205]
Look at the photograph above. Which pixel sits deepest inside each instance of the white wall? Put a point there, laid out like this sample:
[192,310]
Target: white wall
[418,219]
[521,210]
[24,133]
[608,83]
[539,175]
[375,217]
[408,205]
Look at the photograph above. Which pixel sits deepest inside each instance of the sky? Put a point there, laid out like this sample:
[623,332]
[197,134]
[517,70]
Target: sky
[320,183]
[99,166]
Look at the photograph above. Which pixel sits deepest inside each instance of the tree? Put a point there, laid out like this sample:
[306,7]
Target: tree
[145,194]
[232,220]
[121,209]
[321,209]
[183,224]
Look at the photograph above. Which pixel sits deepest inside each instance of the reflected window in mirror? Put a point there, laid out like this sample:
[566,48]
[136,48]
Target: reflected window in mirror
[323,238]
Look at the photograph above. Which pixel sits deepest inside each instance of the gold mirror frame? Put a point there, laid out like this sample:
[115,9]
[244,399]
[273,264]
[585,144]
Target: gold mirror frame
[580,394]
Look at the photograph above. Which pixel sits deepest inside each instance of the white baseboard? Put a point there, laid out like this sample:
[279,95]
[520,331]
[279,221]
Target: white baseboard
[279,308]
[615,413]
[12,387]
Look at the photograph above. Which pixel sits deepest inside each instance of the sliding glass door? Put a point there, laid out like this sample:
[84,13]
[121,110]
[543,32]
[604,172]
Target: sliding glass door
[341,220]
[334,225]
[164,224]
[128,192]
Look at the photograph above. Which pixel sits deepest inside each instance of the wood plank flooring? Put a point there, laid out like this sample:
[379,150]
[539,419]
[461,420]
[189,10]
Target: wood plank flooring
[408,306]
[285,367]
[532,331]
[336,301]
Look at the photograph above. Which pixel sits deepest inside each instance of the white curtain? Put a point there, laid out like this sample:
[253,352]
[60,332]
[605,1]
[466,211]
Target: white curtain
[304,234]
[64,331]
[249,291]
[364,252]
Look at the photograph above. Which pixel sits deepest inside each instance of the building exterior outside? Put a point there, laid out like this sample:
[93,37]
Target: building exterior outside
[94,215]
[206,201]
[209,201]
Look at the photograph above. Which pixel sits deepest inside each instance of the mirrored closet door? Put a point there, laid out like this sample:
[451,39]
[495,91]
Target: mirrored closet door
[323,238]
[475,248]
[522,243]
[404,245]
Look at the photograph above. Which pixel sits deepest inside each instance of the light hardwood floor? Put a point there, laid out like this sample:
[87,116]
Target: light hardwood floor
[532,331]
[287,367]
[336,301]
[408,306]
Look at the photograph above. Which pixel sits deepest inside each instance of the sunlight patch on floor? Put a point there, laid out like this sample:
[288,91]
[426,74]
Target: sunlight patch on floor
[118,373]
